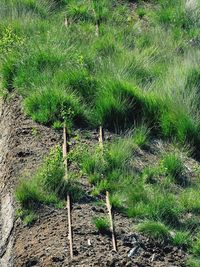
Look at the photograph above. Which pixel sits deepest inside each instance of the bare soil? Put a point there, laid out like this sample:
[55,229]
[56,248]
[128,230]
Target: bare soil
[23,145]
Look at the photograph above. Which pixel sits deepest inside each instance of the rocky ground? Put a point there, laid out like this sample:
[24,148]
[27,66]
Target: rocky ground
[23,144]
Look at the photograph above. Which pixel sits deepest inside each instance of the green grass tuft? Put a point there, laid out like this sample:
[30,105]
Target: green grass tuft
[102,224]
[154,230]
[174,167]
[181,239]
[46,185]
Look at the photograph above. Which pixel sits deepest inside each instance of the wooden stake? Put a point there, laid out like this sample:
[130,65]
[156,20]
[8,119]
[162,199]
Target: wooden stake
[101,137]
[66,22]
[111,220]
[97,24]
[65,147]
[97,29]
[70,225]
[68,196]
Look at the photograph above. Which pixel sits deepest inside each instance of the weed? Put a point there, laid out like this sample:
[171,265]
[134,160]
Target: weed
[57,125]
[34,131]
[102,224]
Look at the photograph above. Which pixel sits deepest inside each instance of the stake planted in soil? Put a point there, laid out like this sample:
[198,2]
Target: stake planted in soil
[68,196]
[111,220]
[97,23]
[101,137]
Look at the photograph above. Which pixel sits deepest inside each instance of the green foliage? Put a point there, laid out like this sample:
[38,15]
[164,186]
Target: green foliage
[102,224]
[193,262]
[8,70]
[46,186]
[28,194]
[142,69]
[9,41]
[30,218]
[174,166]
[181,239]
[141,136]
[80,11]
[47,106]
[154,230]
[196,246]
[27,216]
[190,200]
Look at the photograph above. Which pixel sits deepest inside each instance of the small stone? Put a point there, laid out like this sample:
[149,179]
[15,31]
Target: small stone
[132,252]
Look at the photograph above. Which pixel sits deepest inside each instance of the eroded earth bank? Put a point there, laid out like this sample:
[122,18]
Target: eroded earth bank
[45,243]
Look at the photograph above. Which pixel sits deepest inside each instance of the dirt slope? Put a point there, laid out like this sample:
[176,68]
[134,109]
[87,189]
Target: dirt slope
[23,144]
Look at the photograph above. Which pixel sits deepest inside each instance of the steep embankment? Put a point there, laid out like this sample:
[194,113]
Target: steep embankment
[21,150]
[6,199]
[23,144]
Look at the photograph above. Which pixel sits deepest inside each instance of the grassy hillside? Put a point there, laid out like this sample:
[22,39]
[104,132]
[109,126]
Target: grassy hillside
[141,65]
[123,65]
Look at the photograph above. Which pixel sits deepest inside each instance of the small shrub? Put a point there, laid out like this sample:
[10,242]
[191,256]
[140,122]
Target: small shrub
[141,12]
[155,230]
[51,174]
[10,41]
[102,224]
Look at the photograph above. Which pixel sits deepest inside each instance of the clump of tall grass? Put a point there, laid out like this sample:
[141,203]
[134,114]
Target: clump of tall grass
[174,167]
[48,105]
[47,186]
[181,239]
[155,230]
[102,224]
